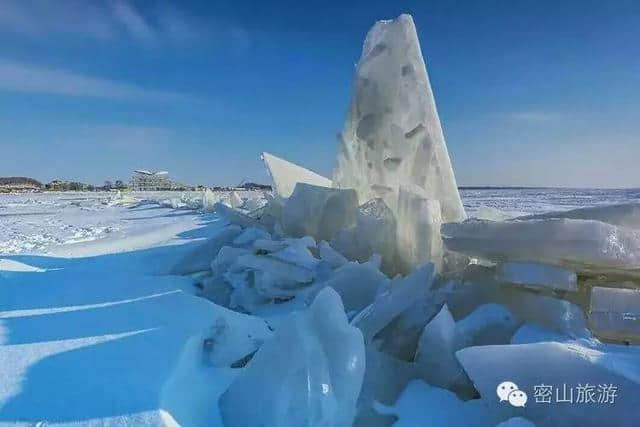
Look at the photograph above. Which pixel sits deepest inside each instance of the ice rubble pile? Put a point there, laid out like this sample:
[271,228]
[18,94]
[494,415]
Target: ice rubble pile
[384,306]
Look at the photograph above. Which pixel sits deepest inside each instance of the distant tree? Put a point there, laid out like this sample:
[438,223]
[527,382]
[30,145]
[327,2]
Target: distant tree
[108,185]
[120,185]
[91,188]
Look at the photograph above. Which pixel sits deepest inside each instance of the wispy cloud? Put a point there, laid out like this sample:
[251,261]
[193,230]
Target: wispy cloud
[534,116]
[154,24]
[19,77]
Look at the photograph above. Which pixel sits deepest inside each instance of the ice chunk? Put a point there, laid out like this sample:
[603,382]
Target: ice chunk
[226,257]
[537,275]
[582,244]
[288,272]
[615,313]
[612,372]
[249,235]
[234,336]
[297,254]
[392,135]
[318,380]
[492,214]
[199,259]
[330,255]
[235,200]
[234,216]
[400,296]
[375,233]
[488,324]
[419,222]
[530,333]
[285,175]
[319,211]
[436,351]
[623,215]
[423,405]
[358,284]
[384,379]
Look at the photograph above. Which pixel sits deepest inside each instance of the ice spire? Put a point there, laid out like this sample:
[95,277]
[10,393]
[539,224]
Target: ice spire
[392,135]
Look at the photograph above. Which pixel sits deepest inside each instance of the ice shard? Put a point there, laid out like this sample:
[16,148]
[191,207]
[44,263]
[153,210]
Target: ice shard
[392,135]
[309,374]
[285,175]
[615,313]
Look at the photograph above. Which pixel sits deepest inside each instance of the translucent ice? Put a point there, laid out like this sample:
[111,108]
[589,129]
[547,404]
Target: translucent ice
[374,233]
[418,236]
[392,135]
[624,215]
[309,374]
[585,244]
[615,313]
[320,212]
[537,275]
[401,295]
[285,175]
[609,371]
[330,255]
[436,351]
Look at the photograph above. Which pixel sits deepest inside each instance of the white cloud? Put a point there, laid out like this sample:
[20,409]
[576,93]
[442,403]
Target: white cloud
[156,24]
[534,116]
[133,22]
[19,77]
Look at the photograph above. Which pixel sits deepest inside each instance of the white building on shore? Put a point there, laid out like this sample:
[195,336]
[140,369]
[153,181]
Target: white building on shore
[144,180]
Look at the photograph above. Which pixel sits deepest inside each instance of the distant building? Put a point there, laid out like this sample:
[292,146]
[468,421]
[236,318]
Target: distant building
[18,183]
[144,180]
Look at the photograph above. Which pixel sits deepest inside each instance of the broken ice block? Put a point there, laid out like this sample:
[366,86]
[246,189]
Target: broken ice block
[199,259]
[581,244]
[401,295]
[235,200]
[487,324]
[421,404]
[357,284]
[392,135]
[418,236]
[537,275]
[226,257]
[623,215]
[609,372]
[319,211]
[233,337]
[615,313]
[249,235]
[285,175]
[234,216]
[308,374]
[330,255]
[436,351]
[375,233]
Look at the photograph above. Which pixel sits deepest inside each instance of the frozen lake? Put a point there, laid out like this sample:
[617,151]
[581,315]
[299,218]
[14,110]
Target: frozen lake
[40,223]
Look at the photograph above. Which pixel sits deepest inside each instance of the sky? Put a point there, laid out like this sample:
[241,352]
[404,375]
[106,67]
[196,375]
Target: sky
[530,93]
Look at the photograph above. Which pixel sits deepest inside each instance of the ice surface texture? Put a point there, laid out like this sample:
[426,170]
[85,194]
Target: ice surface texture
[309,374]
[392,135]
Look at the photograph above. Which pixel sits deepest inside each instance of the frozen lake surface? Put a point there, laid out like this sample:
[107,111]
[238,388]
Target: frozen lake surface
[40,223]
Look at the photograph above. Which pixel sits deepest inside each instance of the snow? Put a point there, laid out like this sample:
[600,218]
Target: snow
[392,135]
[285,175]
[252,308]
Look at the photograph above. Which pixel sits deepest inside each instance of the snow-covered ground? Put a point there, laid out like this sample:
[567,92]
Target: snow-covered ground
[99,326]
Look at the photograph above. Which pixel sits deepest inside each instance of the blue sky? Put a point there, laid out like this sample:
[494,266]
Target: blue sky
[529,92]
